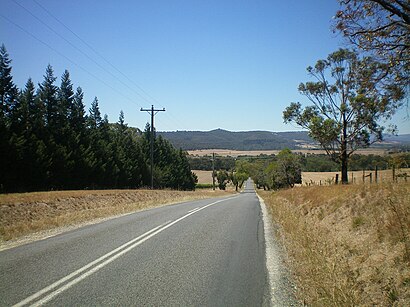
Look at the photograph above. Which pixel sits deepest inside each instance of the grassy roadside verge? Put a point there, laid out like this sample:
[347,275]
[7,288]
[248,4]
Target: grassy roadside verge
[348,245]
[27,213]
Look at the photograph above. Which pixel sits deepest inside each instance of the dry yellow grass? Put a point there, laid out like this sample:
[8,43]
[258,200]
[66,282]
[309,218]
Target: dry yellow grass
[26,213]
[236,153]
[354,177]
[203,176]
[348,245]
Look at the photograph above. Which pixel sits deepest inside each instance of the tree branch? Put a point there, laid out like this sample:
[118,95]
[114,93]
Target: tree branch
[394,10]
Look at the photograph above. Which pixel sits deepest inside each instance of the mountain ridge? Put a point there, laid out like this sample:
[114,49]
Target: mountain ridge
[256,140]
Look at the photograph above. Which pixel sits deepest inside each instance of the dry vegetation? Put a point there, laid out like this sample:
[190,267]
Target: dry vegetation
[26,213]
[354,177]
[348,245]
[203,176]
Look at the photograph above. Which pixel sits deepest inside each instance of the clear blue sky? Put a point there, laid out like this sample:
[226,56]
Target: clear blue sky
[212,64]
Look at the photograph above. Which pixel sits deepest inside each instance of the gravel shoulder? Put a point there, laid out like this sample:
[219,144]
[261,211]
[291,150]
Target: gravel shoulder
[282,289]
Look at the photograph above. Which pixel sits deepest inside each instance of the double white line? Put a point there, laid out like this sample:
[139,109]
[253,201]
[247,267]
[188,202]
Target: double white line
[75,277]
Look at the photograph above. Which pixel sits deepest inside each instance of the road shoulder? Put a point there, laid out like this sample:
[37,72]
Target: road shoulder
[282,289]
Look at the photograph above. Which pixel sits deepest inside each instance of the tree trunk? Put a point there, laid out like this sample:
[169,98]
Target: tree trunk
[344,156]
[345,179]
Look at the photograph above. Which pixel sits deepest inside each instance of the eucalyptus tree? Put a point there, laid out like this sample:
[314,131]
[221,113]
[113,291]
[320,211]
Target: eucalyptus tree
[349,104]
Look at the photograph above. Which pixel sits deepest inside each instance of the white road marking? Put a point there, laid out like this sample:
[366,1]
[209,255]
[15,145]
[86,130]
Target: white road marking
[195,209]
[68,277]
[114,254]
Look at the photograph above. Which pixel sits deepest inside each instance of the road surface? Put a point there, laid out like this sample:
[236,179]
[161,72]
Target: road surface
[201,253]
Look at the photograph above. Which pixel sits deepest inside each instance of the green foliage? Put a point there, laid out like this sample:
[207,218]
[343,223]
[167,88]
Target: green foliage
[349,102]
[48,142]
[275,172]
[286,171]
[238,178]
[204,186]
[223,179]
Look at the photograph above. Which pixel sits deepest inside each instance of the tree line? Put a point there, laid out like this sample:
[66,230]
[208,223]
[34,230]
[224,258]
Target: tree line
[48,141]
[308,162]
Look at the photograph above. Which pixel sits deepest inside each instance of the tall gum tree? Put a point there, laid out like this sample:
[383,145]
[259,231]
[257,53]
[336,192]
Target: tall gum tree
[349,105]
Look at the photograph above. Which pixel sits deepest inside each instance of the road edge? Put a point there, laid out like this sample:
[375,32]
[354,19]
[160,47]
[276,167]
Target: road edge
[281,288]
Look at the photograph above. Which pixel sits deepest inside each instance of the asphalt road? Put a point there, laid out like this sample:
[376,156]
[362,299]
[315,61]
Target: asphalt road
[202,253]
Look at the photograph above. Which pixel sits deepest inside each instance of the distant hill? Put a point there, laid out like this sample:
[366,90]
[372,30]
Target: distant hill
[247,140]
[256,140]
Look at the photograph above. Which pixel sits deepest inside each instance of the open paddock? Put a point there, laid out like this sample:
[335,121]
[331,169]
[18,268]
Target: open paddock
[237,153]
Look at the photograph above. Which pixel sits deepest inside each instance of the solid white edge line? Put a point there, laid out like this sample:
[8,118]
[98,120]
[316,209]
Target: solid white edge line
[141,239]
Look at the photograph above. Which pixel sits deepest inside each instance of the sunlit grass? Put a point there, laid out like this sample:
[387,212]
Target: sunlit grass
[25,213]
[348,245]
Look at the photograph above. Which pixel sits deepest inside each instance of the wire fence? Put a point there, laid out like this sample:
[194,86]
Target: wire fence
[395,175]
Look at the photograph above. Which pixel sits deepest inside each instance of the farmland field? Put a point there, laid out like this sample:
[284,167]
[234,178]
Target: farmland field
[326,177]
[203,176]
[237,153]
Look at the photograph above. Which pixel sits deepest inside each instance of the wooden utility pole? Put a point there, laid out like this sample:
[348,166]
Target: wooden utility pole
[152,112]
[213,171]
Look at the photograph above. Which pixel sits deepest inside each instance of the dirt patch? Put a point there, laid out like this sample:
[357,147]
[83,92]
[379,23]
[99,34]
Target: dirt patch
[28,213]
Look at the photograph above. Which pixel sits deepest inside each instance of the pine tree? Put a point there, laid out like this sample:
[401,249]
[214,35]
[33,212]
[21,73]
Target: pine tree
[77,112]
[8,97]
[94,119]
[48,97]
[8,90]
[57,154]
[65,99]
[79,142]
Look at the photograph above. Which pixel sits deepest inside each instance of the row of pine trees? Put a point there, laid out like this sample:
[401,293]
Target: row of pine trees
[49,142]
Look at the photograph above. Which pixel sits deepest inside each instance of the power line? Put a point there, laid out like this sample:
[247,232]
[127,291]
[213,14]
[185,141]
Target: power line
[97,53]
[78,49]
[175,121]
[67,58]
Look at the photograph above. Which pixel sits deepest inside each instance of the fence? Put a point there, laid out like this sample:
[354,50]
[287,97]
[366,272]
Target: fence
[357,177]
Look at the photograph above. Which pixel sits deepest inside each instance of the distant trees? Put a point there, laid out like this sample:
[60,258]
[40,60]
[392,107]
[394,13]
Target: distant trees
[223,179]
[287,170]
[47,141]
[281,171]
[349,103]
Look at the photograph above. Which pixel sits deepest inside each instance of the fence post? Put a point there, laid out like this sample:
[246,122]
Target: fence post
[337,179]
[363,175]
[370,178]
[375,175]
